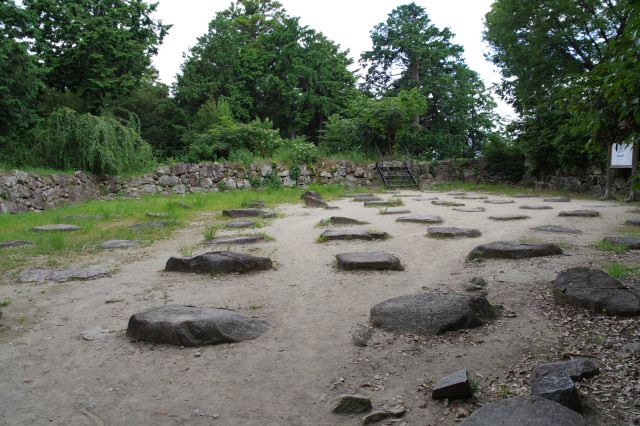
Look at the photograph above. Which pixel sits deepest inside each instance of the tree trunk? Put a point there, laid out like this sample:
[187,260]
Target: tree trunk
[633,193]
[607,186]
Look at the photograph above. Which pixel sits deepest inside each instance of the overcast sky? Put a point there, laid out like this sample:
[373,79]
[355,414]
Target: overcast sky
[346,22]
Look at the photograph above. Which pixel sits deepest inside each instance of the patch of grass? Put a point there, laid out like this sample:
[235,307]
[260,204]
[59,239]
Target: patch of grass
[323,222]
[500,188]
[5,302]
[619,270]
[111,219]
[504,391]
[186,251]
[210,231]
[609,246]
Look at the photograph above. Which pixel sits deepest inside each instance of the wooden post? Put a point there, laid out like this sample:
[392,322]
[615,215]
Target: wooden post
[607,186]
[633,194]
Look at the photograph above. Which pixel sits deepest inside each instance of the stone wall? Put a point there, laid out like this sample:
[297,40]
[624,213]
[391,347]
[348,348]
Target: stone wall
[20,191]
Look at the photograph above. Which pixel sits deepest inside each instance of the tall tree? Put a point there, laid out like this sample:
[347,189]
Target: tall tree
[550,54]
[266,65]
[410,52]
[98,49]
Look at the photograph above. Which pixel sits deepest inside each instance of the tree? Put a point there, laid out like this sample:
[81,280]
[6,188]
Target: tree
[552,56]
[98,49]
[266,65]
[410,52]
[20,77]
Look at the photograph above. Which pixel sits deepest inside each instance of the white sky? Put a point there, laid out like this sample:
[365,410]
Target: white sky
[346,22]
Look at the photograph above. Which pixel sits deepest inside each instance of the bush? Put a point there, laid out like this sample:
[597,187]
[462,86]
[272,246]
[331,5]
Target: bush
[297,151]
[103,145]
[503,159]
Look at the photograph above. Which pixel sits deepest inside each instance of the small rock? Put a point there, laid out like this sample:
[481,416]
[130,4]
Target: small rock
[368,261]
[513,250]
[536,207]
[361,335]
[61,275]
[499,201]
[352,234]
[556,229]
[452,232]
[313,194]
[13,243]
[157,215]
[557,200]
[352,404]
[579,213]
[314,202]
[218,262]
[630,243]
[470,209]
[390,203]
[506,217]
[339,220]
[94,333]
[420,218]
[237,213]
[385,413]
[453,386]
[118,244]
[249,239]
[394,211]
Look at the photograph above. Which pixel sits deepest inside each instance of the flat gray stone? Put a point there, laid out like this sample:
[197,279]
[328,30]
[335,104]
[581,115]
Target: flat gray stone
[157,215]
[59,227]
[431,313]
[524,411]
[470,209]
[452,232]
[313,194]
[471,197]
[630,243]
[313,202]
[184,325]
[556,229]
[453,386]
[447,203]
[524,195]
[557,199]
[395,211]
[388,203]
[595,290]
[632,222]
[238,213]
[240,224]
[247,239]
[13,243]
[340,220]
[367,198]
[352,404]
[361,195]
[152,224]
[456,194]
[37,275]
[386,412]
[368,261]
[536,207]
[83,217]
[508,217]
[218,262]
[499,201]
[118,244]
[578,369]
[513,250]
[255,204]
[94,333]
[557,388]
[420,218]
[579,213]
[361,334]
[351,234]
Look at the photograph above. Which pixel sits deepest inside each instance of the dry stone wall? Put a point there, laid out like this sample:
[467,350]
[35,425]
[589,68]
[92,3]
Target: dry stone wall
[21,191]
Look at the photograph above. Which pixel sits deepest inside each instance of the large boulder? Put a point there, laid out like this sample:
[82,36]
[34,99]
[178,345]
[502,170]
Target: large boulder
[513,250]
[524,411]
[351,234]
[236,213]
[375,261]
[184,325]
[431,313]
[597,291]
[218,262]
[630,243]
[558,388]
[577,368]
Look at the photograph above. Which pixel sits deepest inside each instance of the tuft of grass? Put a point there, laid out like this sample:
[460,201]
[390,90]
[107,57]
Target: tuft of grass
[186,251]
[5,302]
[609,246]
[619,270]
[210,231]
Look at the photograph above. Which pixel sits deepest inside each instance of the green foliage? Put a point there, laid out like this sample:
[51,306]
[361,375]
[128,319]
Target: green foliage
[98,49]
[103,145]
[265,64]
[503,159]
[409,52]
[297,151]
[619,270]
[605,245]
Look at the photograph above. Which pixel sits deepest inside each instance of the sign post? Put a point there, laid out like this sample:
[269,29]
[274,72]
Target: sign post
[623,156]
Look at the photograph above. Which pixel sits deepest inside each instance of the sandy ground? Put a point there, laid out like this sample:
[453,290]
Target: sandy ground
[292,374]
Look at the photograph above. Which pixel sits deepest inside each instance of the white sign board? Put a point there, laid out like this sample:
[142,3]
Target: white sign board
[621,156]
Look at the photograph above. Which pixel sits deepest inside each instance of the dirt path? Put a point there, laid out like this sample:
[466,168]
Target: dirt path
[292,374]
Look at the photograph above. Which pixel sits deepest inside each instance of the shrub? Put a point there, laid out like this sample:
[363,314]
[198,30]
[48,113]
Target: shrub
[103,145]
[297,151]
